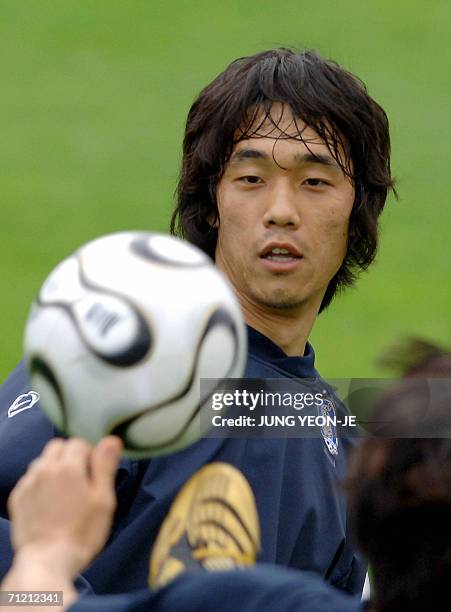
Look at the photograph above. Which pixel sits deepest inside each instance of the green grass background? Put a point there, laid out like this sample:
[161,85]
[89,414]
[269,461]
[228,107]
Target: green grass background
[93,99]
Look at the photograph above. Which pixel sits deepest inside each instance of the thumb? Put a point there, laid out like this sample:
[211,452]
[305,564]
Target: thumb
[104,461]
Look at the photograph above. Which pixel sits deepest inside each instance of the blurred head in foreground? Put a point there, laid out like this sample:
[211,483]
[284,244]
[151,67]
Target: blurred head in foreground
[400,488]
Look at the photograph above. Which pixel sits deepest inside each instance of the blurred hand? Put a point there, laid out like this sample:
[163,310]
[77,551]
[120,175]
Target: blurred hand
[62,508]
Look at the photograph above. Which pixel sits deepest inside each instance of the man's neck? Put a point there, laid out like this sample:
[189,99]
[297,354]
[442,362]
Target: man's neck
[290,331]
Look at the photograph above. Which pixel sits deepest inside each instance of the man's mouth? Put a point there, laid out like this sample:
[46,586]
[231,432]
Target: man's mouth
[281,253]
[280,257]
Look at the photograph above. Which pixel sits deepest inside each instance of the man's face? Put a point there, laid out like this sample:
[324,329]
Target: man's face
[283,217]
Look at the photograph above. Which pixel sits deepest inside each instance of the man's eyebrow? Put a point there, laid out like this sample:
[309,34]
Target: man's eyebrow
[299,158]
[316,158]
[245,154]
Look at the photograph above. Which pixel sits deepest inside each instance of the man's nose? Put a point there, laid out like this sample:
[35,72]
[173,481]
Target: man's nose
[282,208]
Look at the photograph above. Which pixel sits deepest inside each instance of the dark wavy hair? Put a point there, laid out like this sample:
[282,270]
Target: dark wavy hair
[323,96]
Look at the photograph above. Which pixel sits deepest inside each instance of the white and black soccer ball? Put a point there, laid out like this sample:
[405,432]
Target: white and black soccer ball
[121,334]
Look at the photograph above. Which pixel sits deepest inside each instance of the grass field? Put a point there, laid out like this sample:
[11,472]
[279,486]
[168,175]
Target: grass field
[93,101]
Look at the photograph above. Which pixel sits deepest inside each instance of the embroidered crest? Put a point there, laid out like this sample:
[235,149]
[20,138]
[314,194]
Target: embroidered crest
[329,430]
[23,402]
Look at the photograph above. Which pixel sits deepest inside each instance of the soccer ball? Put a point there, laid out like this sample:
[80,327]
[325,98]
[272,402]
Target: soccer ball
[122,332]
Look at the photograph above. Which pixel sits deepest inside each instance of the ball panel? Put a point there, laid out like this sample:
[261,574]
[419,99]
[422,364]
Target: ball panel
[112,328]
[217,353]
[158,429]
[166,250]
[63,285]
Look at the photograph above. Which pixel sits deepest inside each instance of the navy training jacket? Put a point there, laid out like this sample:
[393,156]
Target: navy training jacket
[251,590]
[302,511]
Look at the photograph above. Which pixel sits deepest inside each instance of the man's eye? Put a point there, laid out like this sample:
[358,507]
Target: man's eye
[315,182]
[250,179]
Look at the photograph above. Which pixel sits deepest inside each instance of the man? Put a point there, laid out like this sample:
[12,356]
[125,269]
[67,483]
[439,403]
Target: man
[399,489]
[284,175]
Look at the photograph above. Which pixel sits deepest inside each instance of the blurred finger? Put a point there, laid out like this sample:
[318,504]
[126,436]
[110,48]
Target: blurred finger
[33,465]
[76,452]
[53,449]
[104,461]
